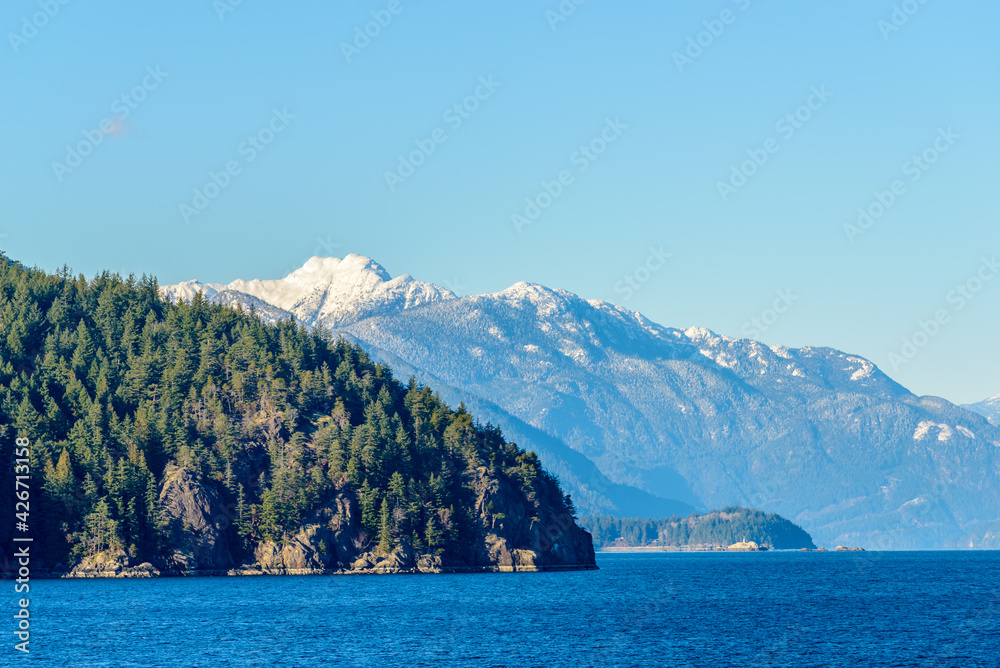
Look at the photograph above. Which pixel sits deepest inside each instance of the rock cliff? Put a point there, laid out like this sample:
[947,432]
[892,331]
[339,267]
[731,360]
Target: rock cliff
[514,532]
[196,522]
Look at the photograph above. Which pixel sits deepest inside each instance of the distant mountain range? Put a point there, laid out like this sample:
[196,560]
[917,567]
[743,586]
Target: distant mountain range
[989,407]
[645,420]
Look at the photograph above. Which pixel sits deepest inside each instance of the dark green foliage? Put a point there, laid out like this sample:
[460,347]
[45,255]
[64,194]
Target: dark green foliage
[718,528]
[111,383]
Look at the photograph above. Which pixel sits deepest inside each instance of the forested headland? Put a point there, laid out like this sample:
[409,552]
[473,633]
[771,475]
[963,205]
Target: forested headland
[131,402]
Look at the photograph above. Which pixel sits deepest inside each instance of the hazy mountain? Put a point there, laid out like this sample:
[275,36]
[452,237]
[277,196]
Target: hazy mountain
[818,435]
[989,407]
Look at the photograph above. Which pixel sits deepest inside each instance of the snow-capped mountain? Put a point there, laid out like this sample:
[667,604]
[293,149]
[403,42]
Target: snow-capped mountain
[324,291]
[990,408]
[818,435]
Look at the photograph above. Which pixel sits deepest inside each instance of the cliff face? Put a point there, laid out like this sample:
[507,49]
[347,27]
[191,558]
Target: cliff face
[196,522]
[522,533]
[514,532]
[327,540]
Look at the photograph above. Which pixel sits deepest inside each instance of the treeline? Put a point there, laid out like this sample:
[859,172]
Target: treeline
[718,528]
[111,383]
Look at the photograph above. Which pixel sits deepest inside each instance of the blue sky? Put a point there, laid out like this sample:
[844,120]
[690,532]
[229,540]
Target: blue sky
[619,99]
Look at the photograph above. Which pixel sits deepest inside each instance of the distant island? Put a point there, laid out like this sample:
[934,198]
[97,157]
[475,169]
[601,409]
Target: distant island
[735,528]
[194,438]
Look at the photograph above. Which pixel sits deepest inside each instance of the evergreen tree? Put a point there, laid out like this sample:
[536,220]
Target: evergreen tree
[385,542]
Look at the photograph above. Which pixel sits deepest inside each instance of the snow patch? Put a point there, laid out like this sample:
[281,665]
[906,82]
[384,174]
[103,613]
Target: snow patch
[864,371]
[965,432]
[923,430]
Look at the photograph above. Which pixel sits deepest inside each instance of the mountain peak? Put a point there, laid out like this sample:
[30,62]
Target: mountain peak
[535,292]
[326,268]
[327,291]
[990,408]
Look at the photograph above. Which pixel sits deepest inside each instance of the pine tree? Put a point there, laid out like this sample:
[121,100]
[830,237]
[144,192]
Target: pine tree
[432,534]
[385,542]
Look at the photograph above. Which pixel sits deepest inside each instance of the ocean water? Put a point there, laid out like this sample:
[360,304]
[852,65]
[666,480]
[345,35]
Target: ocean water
[694,609]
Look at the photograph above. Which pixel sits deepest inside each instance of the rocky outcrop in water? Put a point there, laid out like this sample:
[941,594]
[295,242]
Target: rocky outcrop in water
[112,564]
[746,546]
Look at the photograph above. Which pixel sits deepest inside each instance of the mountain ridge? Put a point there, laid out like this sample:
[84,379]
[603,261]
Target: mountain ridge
[818,435]
[989,408]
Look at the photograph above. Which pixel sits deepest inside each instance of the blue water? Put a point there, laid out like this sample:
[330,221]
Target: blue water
[700,609]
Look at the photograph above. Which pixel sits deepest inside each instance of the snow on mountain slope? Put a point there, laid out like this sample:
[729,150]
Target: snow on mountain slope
[818,435]
[328,292]
[989,408]
[247,302]
[712,420]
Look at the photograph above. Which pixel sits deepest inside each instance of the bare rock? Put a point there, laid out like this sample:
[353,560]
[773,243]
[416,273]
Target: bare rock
[325,541]
[111,564]
[429,563]
[519,533]
[196,521]
[746,546]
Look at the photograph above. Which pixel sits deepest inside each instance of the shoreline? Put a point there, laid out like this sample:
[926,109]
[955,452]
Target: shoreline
[247,571]
[650,548]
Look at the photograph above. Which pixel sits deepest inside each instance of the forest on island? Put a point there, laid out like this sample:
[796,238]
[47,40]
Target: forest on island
[718,528]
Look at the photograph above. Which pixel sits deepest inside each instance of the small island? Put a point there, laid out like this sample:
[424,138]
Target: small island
[733,528]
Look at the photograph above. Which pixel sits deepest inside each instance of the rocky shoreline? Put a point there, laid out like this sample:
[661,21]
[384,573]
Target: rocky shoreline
[425,565]
[513,534]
